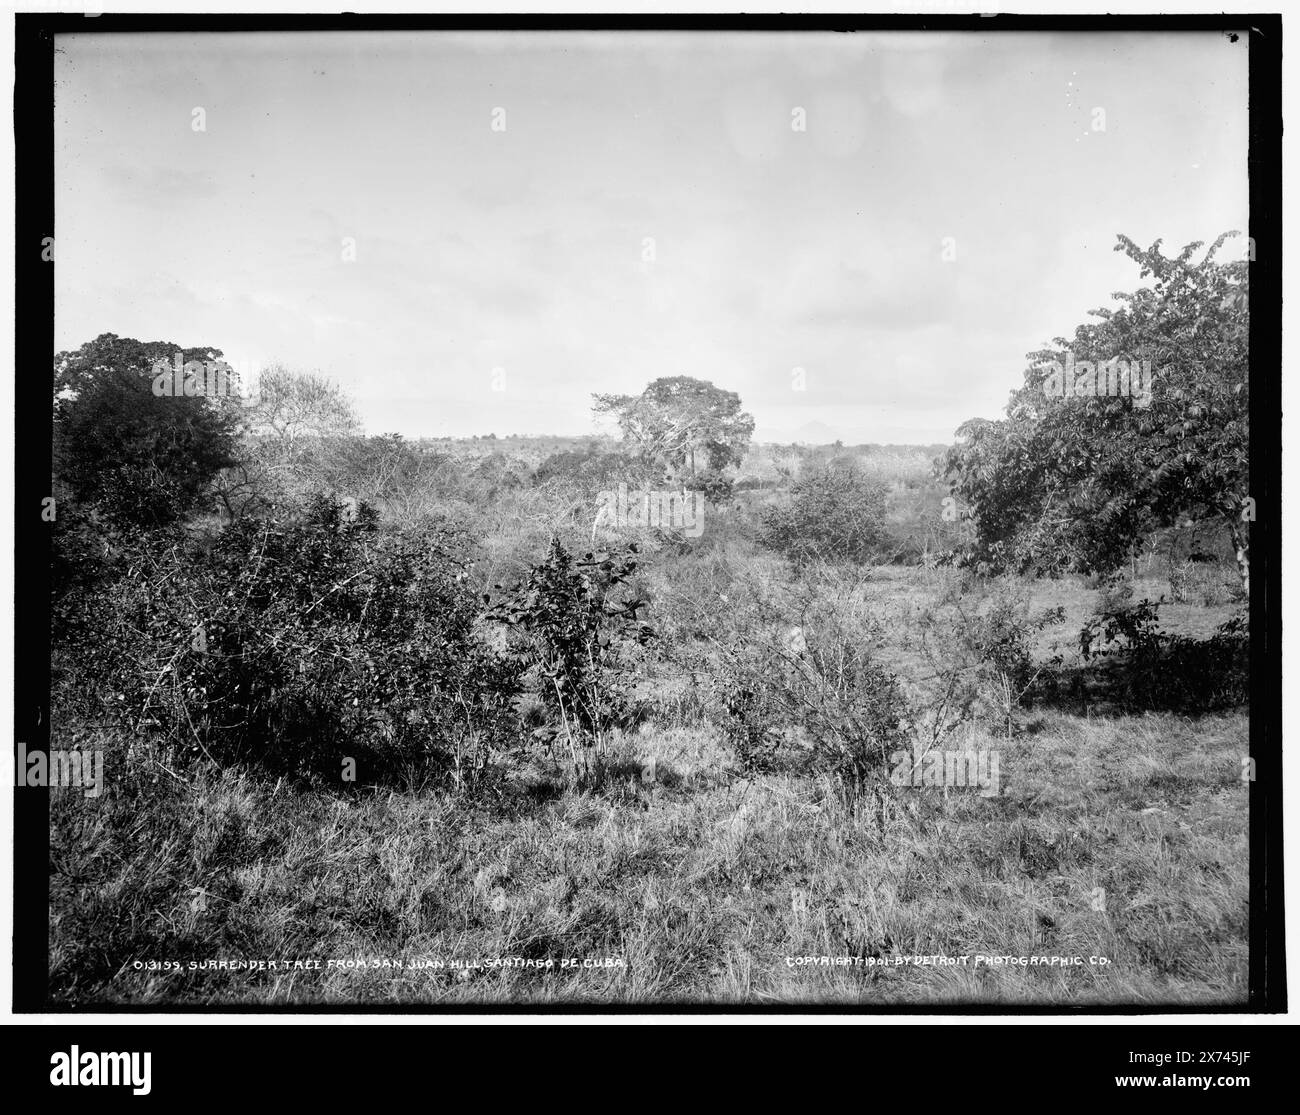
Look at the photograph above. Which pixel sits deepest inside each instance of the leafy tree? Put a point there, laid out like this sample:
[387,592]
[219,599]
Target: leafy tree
[677,419]
[138,458]
[299,424]
[294,405]
[1077,481]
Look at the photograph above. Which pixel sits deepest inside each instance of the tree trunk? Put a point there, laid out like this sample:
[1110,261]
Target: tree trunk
[1241,545]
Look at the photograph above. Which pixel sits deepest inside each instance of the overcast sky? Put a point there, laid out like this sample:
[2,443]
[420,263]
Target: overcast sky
[517,259]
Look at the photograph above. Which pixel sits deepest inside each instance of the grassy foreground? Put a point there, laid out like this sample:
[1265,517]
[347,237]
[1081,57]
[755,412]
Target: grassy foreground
[1124,839]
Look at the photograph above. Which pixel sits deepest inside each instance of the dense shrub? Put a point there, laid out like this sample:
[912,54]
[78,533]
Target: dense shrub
[499,473]
[593,469]
[571,626]
[823,689]
[980,643]
[717,487]
[834,514]
[299,642]
[799,668]
[753,721]
[1151,669]
[1000,638]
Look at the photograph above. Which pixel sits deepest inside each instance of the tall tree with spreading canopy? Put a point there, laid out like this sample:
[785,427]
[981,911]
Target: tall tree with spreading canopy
[300,424]
[1074,478]
[136,457]
[682,423]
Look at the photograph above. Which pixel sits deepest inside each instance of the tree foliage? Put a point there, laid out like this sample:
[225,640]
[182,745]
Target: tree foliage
[299,640]
[834,514]
[571,625]
[293,405]
[682,423]
[137,458]
[1078,482]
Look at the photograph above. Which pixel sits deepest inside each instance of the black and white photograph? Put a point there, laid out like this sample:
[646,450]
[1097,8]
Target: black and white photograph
[745,517]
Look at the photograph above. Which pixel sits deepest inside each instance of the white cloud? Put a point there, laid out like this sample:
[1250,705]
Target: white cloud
[773,248]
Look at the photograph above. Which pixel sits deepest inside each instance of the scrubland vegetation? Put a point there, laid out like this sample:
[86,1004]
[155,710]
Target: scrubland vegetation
[410,719]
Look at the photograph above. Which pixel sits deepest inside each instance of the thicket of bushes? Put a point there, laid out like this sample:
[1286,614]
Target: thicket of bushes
[835,513]
[319,641]
[369,639]
[298,643]
[1141,667]
[571,628]
[817,691]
